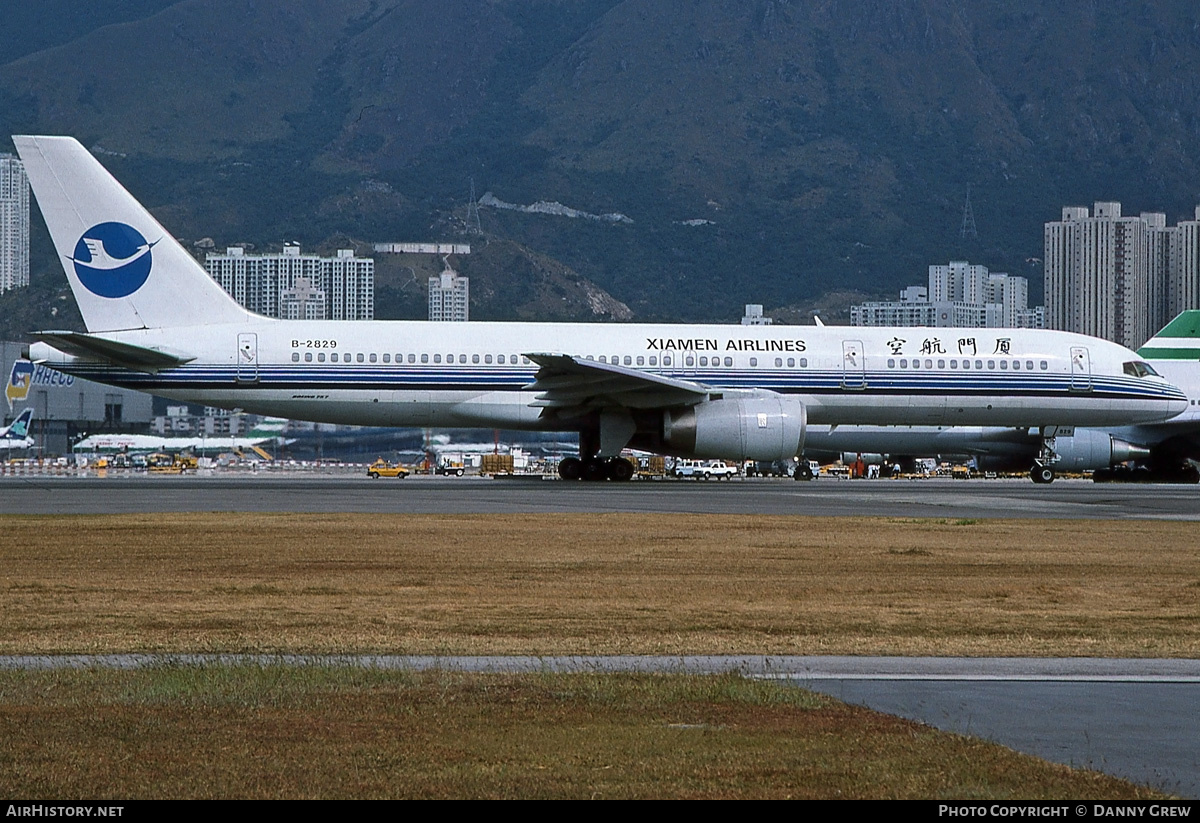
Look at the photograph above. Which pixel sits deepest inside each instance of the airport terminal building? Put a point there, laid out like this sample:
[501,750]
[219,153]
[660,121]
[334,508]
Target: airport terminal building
[66,408]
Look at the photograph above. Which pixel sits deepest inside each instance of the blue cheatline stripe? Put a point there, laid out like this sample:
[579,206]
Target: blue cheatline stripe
[809,381]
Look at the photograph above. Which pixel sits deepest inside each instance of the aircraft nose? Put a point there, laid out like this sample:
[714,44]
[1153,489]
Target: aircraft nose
[1177,402]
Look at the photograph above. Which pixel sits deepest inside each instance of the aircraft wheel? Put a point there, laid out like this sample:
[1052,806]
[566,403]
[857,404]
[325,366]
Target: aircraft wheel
[1042,474]
[803,473]
[620,469]
[595,469]
[570,468]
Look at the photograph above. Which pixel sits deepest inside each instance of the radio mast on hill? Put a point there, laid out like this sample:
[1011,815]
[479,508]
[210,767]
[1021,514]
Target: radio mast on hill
[473,213]
[968,221]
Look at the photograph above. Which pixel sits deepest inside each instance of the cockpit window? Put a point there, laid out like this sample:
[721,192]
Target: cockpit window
[1138,368]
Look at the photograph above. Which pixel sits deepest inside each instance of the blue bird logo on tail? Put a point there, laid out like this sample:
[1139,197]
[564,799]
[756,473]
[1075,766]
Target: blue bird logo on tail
[112,259]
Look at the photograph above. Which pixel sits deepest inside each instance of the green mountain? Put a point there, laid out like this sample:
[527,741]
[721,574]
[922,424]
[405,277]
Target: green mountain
[765,151]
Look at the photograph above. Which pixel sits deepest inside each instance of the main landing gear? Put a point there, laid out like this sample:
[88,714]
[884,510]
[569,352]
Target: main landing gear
[591,465]
[1041,474]
[595,468]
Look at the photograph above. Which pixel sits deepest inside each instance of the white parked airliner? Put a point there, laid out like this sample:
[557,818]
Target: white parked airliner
[158,323]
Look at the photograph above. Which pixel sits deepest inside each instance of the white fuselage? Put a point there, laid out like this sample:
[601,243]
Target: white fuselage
[401,373]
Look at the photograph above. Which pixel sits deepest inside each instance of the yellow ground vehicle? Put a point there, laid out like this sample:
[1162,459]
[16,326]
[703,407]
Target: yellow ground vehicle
[161,463]
[382,468]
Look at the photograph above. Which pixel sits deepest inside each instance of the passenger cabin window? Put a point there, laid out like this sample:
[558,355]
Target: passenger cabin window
[804,362]
[778,362]
[424,358]
[374,359]
[753,361]
[320,357]
[689,361]
[728,361]
[653,360]
[295,357]
[791,362]
[666,360]
[474,358]
[308,357]
[487,358]
[437,358]
[387,358]
[359,357]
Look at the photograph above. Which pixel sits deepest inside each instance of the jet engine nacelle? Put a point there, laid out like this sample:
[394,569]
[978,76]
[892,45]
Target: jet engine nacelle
[762,427]
[1093,449]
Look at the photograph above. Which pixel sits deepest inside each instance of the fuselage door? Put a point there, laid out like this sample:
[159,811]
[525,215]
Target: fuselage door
[247,357]
[1081,369]
[854,366]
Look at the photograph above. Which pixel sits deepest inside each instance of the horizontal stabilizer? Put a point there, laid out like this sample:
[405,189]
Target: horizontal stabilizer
[90,347]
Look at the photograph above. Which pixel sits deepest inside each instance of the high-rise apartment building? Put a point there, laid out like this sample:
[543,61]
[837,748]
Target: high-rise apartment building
[302,301]
[318,288]
[959,295]
[1183,270]
[1116,277]
[449,296]
[14,224]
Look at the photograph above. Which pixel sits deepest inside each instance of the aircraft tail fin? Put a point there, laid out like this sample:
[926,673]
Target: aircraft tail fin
[125,270]
[19,428]
[1178,340]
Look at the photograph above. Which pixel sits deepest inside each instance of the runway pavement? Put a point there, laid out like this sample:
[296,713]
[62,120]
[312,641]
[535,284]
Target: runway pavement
[266,492]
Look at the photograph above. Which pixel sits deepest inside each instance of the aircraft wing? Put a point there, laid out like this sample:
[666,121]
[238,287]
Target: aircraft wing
[88,346]
[568,382]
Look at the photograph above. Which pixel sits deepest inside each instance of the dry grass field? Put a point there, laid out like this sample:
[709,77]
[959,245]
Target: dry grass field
[597,584]
[540,584]
[320,732]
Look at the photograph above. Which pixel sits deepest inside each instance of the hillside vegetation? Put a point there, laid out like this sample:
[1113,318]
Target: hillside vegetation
[767,151]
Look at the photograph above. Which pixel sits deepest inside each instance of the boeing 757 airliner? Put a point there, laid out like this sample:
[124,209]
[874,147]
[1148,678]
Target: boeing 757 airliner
[157,322]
